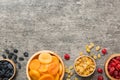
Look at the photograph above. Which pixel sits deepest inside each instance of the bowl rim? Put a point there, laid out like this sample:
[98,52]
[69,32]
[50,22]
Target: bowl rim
[80,57]
[39,52]
[14,67]
[106,65]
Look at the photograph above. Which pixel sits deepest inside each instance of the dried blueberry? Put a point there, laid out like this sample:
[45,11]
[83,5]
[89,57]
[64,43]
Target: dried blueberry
[14,60]
[19,65]
[10,66]
[4,56]
[15,51]
[21,59]
[10,56]
[7,51]
[26,54]
[15,57]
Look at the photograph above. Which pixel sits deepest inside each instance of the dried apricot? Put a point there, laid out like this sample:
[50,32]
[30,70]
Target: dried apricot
[34,64]
[46,77]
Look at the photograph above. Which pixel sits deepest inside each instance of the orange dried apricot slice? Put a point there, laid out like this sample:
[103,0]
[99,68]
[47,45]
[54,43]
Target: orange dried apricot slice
[55,59]
[46,77]
[53,68]
[60,69]
[57,77]
[34,64]
[45,58]
[43,68]
[34,74]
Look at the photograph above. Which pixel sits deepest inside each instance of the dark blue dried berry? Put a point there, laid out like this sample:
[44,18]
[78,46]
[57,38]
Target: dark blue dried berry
[4,56]
[19,65]
[15,57]
[21,59]
[10,56]
[15,51]
[10,66]
[26,54]
[14,60]
[7,51]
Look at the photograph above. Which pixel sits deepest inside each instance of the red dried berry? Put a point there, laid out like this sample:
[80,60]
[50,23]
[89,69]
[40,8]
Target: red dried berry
[112,64]
[100,77]
[116,73]
[104,51]
[99,70]
[118,58]
[118,67]
[67,56]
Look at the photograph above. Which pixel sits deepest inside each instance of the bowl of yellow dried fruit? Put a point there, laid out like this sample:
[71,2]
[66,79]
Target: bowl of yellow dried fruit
[84,65]
[45,65]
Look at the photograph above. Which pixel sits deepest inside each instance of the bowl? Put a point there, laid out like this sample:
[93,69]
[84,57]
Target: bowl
[84,66]
[14,67]
[107,63]
[36,56]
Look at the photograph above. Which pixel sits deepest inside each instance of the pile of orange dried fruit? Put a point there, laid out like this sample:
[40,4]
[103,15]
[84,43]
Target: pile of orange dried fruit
[45,66]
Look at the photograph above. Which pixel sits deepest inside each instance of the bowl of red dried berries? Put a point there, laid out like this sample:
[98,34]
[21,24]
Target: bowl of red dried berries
[112,67]
[7,69]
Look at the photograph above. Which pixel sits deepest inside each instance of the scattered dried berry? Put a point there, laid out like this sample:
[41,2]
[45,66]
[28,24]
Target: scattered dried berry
[99,70]
[10,56]
[19,65]
[15,51]
[100,77]
[4,56]
[104,51]
[26,54]
[7,51]
[67,56]
[21,59]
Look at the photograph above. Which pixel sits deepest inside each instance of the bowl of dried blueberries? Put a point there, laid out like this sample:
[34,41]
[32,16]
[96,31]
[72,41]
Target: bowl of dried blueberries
[84,65]
[7,69]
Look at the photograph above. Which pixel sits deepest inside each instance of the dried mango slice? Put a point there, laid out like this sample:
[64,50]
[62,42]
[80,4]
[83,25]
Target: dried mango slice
[45,58]
[34,64]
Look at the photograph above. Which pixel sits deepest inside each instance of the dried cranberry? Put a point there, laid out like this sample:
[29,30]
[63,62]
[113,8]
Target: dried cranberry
[67,56]
[99,70]
[104,51]
[100,77]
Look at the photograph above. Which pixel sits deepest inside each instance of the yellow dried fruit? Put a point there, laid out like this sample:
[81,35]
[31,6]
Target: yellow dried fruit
[95,57]
[88,50]
[98,48]
[70,67]
[81,53]
[76,78]
[92,44]
[99,56]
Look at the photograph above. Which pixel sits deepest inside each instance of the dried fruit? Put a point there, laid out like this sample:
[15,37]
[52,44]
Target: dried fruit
[45,58]
[104,51]
[4,56]
[99,70]
[67,56]
[21,59]
[97,48]
[99,56]
[100,77]
[15,51]
[7,51]
[26,54]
